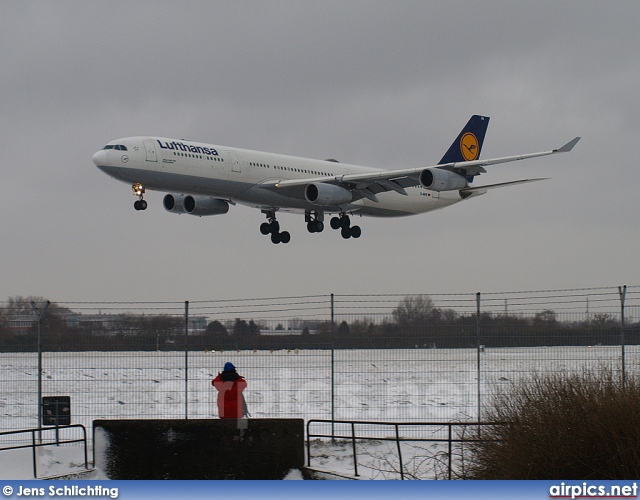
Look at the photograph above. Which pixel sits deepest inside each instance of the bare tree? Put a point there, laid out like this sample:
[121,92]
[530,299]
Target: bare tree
[413,310]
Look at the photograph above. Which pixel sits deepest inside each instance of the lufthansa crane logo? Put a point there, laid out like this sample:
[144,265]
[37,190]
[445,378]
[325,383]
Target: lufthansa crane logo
[469,146]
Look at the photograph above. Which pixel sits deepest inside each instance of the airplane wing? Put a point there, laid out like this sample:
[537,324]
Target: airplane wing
[368,184]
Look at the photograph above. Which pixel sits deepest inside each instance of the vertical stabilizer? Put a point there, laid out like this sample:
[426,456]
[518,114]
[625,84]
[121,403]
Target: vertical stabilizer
[468,144]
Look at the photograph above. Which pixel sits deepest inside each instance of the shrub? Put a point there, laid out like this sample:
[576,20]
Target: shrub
[583,426]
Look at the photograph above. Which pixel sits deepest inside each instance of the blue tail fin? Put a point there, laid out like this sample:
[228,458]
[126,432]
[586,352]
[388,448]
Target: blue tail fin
[468,144]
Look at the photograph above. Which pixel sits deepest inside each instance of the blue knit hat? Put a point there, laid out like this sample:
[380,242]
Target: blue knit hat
[228,367]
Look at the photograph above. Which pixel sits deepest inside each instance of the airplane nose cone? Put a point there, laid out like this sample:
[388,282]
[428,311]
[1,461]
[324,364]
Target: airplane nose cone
[100,158]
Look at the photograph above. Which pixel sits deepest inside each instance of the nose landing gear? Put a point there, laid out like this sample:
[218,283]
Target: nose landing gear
[273,227]
[138,190]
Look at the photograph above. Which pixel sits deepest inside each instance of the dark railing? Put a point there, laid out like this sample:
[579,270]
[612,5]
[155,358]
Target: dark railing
[354,437]
[37,441]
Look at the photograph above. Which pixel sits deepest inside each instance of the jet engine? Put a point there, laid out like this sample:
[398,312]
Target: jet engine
[194,205]
[323,194]
[173,203]
[438,179]
[205,205]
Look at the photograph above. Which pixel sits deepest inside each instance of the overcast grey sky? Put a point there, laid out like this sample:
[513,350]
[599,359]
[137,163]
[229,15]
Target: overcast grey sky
[384,84]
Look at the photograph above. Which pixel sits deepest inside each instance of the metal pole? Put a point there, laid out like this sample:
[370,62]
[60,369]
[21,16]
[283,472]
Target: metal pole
[478,348]
[186,359]
[623,294]
[450,444]
[333,328]
[40,316]
[353,444]
[333,380]
[399,453]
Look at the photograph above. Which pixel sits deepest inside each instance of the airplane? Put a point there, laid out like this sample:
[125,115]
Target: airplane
[204,179]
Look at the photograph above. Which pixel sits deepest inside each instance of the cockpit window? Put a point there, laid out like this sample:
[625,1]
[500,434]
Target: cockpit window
[118,147]
[109,146]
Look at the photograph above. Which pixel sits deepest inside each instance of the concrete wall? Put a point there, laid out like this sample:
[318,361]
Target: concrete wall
[199,449]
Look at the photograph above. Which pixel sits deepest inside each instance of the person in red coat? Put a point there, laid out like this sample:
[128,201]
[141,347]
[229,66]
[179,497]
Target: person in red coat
[230,386]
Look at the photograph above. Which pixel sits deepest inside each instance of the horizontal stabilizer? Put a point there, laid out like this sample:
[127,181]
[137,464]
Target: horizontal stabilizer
[501,184]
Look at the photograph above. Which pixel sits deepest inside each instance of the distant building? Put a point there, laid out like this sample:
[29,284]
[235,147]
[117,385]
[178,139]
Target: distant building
[282,331]
[110,322]
[21,323]
[197,324]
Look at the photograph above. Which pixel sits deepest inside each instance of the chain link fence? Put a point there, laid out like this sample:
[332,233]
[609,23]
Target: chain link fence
[352,357]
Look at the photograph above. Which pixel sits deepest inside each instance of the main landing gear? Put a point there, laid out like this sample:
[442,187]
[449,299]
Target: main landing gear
[346,229]
[138,190]
[314,221]
[273,227]
[315,224]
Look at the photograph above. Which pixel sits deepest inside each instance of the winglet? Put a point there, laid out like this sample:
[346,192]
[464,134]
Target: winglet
[568,146]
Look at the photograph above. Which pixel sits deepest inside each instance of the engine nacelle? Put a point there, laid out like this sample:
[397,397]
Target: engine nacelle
[323,194]
[438,179]
[194,205]
[205,205]
[173,203]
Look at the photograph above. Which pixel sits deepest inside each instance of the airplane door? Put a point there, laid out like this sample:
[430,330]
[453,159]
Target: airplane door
[150,147]
[235,162]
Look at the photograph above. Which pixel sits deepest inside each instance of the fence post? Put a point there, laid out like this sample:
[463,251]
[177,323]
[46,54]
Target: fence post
[333,340]
[40,316]
[478,349]
[623,295]
[186,359]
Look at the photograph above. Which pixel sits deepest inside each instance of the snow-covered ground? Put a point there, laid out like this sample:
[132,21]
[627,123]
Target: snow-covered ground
[418,385]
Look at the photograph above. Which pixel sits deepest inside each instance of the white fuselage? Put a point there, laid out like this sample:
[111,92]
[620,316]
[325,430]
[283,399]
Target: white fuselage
[240,176]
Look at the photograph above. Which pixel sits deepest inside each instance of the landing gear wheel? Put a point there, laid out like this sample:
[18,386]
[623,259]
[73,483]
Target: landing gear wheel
[346,229]
[140,205]
[315,226]
[273,227]
[283,237]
